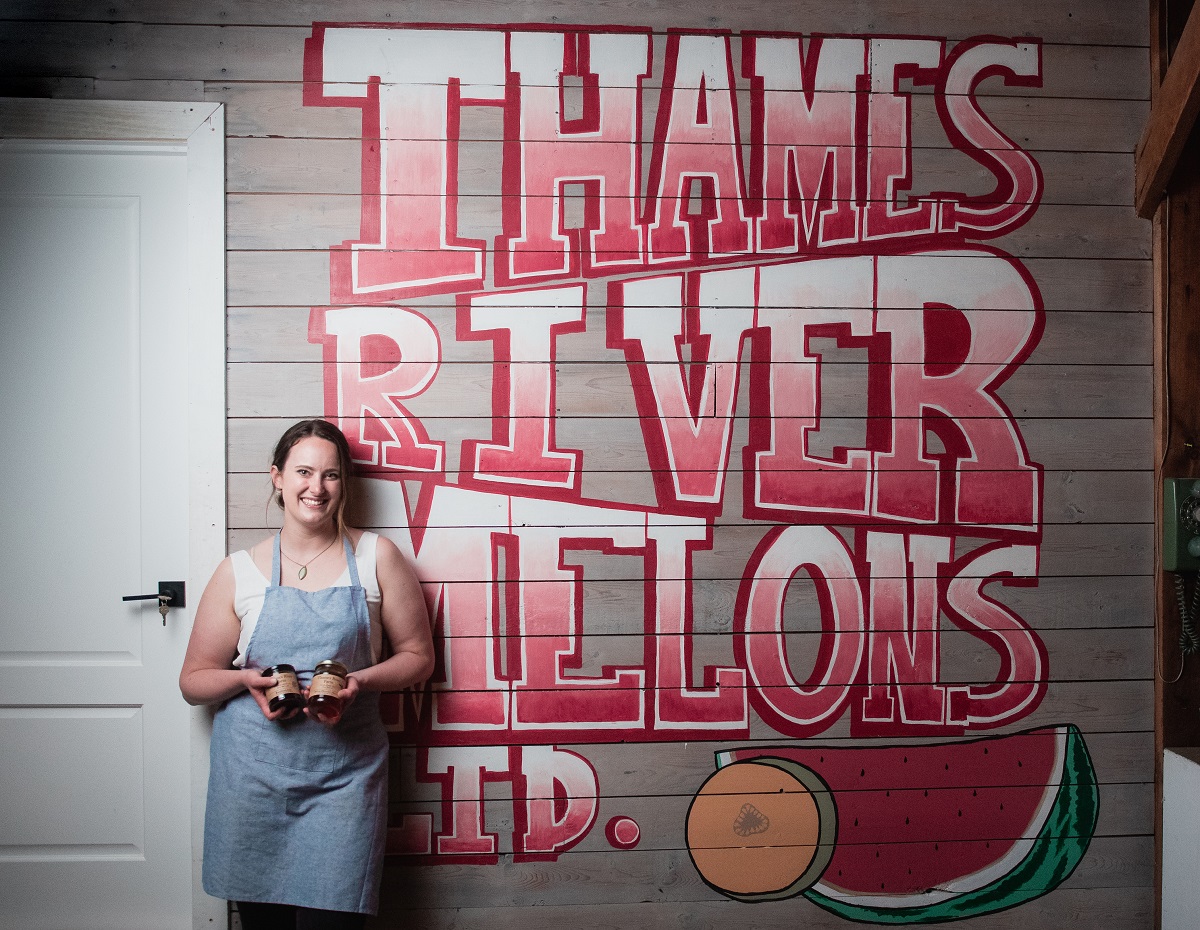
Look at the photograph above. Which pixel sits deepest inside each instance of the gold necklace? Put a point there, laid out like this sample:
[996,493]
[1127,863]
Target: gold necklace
[304,567]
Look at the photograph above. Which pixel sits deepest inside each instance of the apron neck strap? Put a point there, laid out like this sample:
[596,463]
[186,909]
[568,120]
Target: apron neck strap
[351,561]
[275,560]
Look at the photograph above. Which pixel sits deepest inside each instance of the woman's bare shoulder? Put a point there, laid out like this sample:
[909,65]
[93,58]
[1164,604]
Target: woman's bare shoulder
[263,545]
[261,553]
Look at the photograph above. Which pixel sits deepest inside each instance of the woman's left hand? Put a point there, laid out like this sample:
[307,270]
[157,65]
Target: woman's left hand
[346,696]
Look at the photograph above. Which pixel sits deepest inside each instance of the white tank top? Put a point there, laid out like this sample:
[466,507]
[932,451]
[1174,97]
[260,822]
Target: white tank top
[250,584]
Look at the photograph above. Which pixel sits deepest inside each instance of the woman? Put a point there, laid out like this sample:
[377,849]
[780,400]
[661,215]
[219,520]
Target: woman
[297,805]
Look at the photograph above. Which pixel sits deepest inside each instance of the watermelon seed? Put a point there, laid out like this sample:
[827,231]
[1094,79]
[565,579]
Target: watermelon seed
[862,772]
[960,813]
[906,821]
[856,821]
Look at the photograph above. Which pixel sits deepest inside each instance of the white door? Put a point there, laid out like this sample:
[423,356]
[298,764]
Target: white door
[96,780]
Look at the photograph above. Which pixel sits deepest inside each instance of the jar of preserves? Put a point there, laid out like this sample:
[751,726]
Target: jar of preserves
[328,680]
[285,694]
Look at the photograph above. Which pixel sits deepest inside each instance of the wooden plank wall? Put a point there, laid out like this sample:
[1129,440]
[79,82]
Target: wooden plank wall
[1080,399]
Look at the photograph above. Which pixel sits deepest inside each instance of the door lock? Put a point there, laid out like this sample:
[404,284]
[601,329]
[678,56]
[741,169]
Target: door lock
[170,594]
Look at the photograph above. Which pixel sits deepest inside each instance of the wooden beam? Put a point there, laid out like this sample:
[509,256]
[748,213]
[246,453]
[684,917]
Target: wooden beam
[1172,116]
[135,120]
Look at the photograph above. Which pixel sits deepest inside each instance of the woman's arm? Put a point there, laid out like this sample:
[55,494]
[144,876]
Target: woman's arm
[406,624]
[208,675]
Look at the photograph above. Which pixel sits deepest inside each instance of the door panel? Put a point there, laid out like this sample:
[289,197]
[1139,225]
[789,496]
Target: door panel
[96,821]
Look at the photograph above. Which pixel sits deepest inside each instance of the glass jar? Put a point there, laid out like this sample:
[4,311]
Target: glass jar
[285,694]
[328,680]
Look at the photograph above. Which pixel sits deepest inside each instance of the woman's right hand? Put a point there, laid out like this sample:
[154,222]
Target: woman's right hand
[258,686]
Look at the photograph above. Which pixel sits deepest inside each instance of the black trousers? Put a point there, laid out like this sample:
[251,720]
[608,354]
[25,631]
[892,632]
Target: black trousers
[288,917]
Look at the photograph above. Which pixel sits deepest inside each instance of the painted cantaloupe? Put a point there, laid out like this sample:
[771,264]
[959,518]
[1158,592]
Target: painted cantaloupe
[936,832]
[761,830]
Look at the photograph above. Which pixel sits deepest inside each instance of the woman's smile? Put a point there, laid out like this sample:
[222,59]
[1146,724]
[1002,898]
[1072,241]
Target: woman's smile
[310,482]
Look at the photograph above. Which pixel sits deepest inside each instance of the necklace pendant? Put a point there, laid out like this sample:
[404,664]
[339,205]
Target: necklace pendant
[303,571]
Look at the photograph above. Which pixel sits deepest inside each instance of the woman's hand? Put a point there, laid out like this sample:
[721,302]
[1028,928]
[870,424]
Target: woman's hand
[258,686]
[346,696]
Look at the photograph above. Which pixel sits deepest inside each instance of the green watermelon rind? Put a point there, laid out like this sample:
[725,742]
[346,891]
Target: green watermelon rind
[1055,852]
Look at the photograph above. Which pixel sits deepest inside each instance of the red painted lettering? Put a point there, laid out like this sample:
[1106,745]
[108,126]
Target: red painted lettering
[1018,176]
[904,657]
[799,300]
[686,406]
[462,772]
[598,151]
[410,92]
[889,144]
[794,707]
[696,185]
[1021,682]
[955,397]
[804,111]
[561,797]
[720,705]
[375,358]
[545,696]
[523,326]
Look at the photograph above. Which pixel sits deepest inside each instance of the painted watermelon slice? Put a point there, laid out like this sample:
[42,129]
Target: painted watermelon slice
[937,832]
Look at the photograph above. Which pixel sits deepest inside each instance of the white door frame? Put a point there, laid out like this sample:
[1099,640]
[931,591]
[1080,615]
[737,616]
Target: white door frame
[201,128]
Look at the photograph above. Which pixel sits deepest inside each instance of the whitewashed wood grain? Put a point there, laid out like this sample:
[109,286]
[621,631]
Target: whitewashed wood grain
[161,51]
[317,221]
[1099,22]
[280,334]
[1075,497]
[301,278]
[1067,550]
[612,878]
[278,165]
[1117,908]
[602,392]
[1083,398]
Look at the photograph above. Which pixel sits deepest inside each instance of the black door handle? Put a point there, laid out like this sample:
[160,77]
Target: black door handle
[170,594]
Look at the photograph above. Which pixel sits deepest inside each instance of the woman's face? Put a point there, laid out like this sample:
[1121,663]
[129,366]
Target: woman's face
[310,482]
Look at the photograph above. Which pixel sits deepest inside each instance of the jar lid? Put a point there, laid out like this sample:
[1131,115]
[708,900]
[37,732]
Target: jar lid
[330,667]
[274,670]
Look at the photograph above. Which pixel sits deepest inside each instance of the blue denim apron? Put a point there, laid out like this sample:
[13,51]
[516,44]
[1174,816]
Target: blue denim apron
[297,811]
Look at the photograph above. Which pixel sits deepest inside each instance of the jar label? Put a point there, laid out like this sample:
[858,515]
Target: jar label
[326,684]
[285,683]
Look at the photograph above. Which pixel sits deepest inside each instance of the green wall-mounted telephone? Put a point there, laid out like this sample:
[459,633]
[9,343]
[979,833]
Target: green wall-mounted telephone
[1181,552]
[1181,525]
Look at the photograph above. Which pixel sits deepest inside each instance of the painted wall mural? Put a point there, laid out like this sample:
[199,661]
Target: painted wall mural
[814,336]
